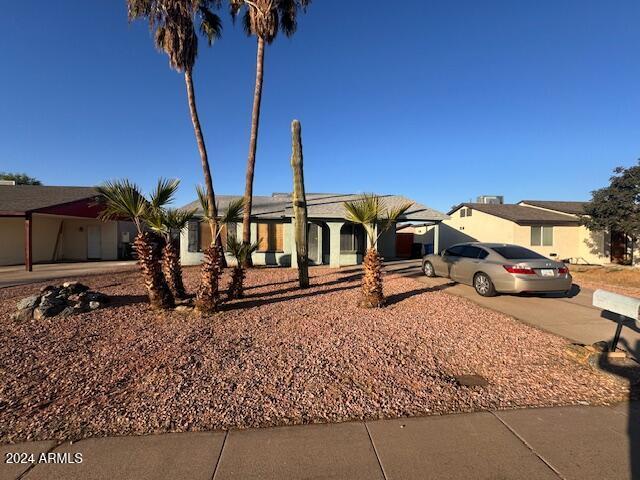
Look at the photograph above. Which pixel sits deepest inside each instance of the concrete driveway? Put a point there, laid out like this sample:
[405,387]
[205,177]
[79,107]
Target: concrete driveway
[573,318]
[17,275]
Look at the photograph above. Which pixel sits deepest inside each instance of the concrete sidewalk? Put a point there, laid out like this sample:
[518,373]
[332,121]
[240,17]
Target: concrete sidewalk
[16,275]
[549,443]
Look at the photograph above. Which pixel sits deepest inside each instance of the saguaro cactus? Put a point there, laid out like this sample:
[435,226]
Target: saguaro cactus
[299,205]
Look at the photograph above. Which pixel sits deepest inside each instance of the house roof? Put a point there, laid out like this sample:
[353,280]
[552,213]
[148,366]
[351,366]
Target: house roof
[573,208]
[28,198]
[320,205]
[520,214]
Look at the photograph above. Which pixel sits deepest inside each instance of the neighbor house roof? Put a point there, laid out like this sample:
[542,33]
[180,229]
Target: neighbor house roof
[320,205]
[17,199]
[520,214]
[573,208]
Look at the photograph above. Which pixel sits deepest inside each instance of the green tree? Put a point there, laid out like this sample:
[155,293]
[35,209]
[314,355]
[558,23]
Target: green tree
[176,24]
[616,207]
[262,19]
[370,212]
[20,178]
[123,199]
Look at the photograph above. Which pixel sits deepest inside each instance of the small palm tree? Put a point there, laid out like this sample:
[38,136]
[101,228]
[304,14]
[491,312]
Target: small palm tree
[262,19]
[208,295]
[240,252]
[122,199]
[376,219]
[168,223]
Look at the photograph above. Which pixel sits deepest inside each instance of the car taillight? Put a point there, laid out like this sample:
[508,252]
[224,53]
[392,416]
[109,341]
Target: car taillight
[519,269]
[563,270]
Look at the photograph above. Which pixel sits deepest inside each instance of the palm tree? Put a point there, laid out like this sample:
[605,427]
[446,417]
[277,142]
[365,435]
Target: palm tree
[240,252]
[208,295]
[376,219]
[122,199]
[262,19]
[174,24]
[166,223]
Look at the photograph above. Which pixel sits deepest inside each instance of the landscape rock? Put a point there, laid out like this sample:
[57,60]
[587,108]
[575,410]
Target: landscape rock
[28,303]
[75,287]
[94,305]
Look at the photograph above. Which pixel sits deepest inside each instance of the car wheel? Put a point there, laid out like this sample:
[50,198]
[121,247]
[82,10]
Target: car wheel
[483,285]
[427,269]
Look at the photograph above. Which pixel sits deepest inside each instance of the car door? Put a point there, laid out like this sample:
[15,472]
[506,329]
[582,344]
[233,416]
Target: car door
[463,270]
[448,259]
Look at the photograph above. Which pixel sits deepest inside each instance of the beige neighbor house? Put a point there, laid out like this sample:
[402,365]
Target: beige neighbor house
[332,239]
[45,224]
[550,228]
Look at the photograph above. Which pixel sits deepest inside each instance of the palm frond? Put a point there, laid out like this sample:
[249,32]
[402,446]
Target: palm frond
[177,219]
[164,192]
[241,251]
[210,25]
[156,220]
[204,202]
[391,216]
[123,199]
[234,212]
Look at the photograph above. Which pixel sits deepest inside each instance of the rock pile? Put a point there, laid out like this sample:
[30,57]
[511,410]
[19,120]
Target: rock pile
[66,299]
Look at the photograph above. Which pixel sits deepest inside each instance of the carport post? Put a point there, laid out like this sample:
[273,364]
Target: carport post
[28,252]
[436,238]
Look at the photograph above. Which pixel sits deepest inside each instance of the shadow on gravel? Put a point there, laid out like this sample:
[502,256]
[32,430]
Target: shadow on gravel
[296,288]
[632,375]
[256,302]
[122,300]
[399,297]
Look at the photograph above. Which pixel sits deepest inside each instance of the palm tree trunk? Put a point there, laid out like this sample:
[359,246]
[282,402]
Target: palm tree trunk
[160,295]
[173,269]
[372,295]
[208,292]
[253,144]
[236,285]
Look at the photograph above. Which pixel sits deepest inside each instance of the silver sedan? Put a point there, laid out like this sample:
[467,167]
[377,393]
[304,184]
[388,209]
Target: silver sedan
[493,268]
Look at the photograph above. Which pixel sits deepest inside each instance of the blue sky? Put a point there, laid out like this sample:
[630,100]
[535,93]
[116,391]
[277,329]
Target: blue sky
[437,100]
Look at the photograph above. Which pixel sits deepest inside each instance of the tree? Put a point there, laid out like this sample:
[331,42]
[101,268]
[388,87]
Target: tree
[174,24]
[240,252]
[262,19]
[20,178]
[168,223]
[208,295]
[370,212]
[617,206]
[122,199]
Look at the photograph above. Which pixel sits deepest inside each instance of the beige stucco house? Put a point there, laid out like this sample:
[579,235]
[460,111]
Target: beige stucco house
[551,228]
[44,224]
[332,239]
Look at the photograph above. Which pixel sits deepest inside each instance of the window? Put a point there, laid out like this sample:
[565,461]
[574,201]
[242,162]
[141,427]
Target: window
[270,237]
[469,212]
[455,251]
[542,236]
[483,254]
[512,252]
[469,251]
[351,238]
[463,212]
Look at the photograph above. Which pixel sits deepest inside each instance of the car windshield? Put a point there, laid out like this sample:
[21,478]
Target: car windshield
[512,252]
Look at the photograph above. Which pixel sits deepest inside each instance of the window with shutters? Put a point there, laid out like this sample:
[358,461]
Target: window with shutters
[270,237]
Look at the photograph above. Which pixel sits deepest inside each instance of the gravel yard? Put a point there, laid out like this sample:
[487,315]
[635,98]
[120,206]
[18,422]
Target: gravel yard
[279,356]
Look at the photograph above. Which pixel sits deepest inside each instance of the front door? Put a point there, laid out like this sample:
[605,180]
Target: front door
[94,242]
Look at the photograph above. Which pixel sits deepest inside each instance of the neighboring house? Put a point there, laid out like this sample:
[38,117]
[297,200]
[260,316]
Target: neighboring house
[550,228]
[332,240]
[44,224]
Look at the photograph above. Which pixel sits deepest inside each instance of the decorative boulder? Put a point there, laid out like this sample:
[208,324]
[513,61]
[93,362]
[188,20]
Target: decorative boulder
[28,303]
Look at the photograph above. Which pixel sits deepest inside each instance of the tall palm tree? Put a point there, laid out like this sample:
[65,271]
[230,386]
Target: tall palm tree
[262,19]
[174,25]
[370,212]
[240,252]
[123,199]
[167,223]
[208,295]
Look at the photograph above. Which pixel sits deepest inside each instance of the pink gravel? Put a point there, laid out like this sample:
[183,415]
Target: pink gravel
[280,356]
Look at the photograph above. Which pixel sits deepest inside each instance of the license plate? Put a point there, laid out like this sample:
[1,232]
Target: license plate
[547,272]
